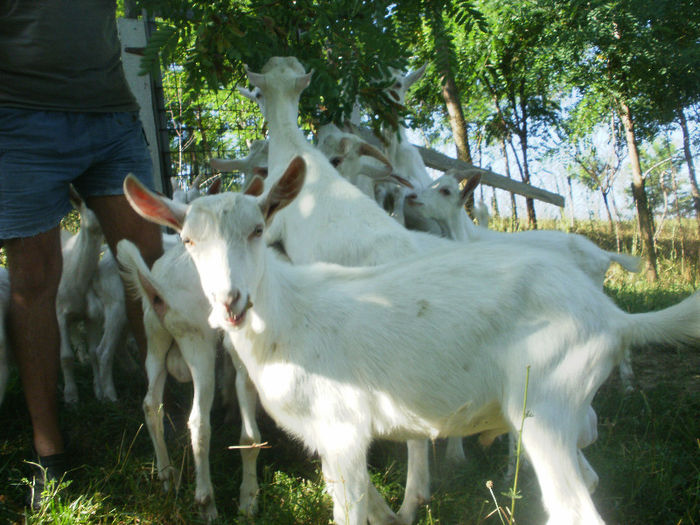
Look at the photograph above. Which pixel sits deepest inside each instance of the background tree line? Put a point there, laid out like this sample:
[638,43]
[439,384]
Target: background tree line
[597,84]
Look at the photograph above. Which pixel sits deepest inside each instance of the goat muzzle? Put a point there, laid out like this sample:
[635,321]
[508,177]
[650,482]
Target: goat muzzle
[237,319]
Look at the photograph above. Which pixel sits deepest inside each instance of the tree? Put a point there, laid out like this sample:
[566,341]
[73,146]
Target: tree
[339,39]
[619,50]
[513,67]
[443,21]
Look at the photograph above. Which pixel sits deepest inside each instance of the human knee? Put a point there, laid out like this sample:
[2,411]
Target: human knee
[34,281]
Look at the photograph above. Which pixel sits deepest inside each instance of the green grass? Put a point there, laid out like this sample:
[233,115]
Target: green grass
[647,454]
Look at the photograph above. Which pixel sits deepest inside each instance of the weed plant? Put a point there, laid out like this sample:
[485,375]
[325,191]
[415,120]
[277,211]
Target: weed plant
[647,454]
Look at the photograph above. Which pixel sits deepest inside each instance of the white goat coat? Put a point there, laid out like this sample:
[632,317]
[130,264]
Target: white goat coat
[342,355]
[81,254]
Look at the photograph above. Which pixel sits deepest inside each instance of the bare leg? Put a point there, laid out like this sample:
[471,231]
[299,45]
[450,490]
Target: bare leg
[119,221]
[35,265]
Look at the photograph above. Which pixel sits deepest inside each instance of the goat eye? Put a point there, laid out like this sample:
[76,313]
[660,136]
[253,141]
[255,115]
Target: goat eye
[335,161]
[445,192]
[397,85]
[187,241]
[257,232]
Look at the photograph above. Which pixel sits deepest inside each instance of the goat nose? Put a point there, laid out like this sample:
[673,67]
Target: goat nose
[412,199]
[229,299]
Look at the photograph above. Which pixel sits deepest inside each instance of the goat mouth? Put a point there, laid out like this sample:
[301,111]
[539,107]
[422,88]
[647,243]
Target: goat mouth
[238,319]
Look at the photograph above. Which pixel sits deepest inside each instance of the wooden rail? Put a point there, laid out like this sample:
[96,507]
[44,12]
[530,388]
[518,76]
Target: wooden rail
[438,161]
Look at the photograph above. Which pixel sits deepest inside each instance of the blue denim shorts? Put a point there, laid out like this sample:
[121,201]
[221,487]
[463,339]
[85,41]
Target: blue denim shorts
[42,152]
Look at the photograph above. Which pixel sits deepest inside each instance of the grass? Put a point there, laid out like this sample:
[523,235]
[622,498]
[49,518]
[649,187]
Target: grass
[647,454]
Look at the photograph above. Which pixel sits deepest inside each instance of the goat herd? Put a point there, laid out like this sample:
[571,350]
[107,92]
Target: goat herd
[350,324]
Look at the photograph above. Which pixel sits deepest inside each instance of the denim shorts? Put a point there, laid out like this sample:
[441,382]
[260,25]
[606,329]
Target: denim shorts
[42,152]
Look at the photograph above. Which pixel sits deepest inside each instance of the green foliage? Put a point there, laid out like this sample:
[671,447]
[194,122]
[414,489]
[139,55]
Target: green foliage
[641,52]
[339,39]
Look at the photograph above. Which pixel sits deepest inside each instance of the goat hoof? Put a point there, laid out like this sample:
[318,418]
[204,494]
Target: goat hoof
[167,476]
[71,398]
[248,505]
[208,509]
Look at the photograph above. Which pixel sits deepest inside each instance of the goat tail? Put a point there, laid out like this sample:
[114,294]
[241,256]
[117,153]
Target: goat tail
[136,275]
[630,263]
[676,325]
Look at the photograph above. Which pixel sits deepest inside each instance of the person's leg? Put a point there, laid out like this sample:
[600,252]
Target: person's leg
[119,221]
[34,265]
[119,148]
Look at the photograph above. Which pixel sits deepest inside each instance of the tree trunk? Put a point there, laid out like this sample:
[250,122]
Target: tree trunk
[529,201]
[494,204]
[607,209]
[572,218]
[513,204]
[644,219]
[694,190]
[454,109]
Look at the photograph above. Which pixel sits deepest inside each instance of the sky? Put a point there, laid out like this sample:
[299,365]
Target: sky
[550,174]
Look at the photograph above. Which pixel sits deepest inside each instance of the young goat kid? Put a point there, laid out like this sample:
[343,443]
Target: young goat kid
[341,356]
[81,255]
[181,342]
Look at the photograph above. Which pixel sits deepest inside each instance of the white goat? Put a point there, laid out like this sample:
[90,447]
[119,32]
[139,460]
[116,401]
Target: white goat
[106,324]
[255,163]
[442,203]
[4,348]
[170,338]
[366,167]
[332,220]
[355,159]
[341,356]
[180,341]
[81,254]
[404,156]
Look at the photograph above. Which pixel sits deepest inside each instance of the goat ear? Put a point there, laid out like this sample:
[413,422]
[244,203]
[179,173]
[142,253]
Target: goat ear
[469,187]
[214,187]
[257,146]
[255,187]
[257,79]
[414,76]
[260,171]
[344,146]
[285,189]
[152,207]
[247,93]
[303,82]
[463,174]
[197,182]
